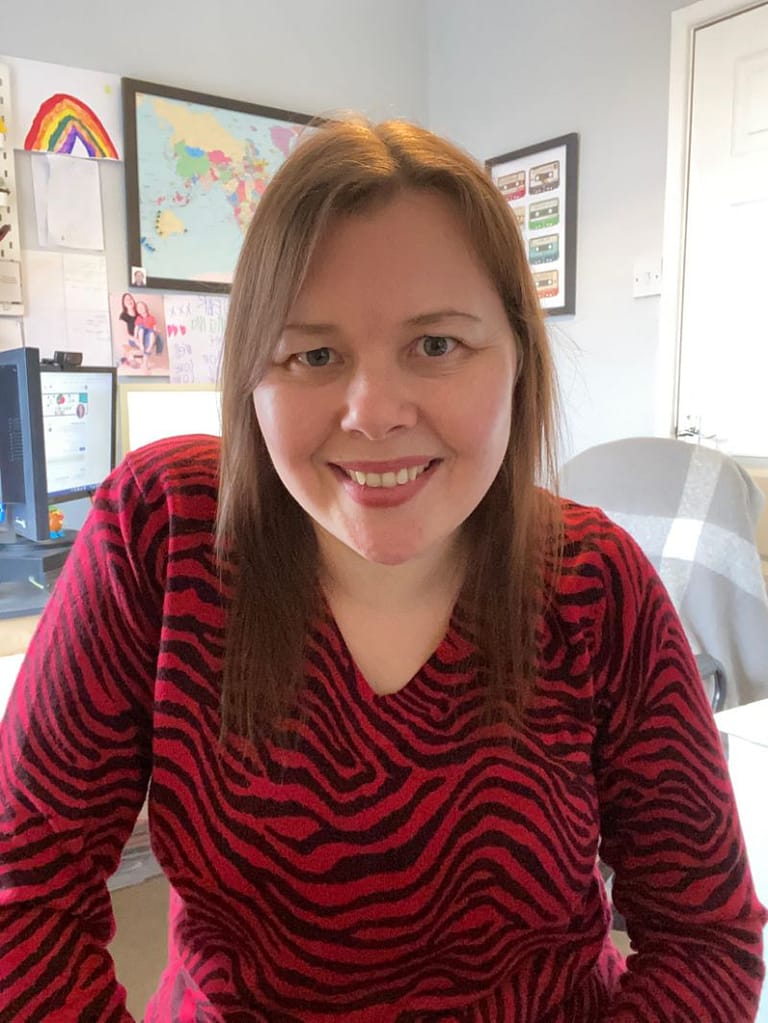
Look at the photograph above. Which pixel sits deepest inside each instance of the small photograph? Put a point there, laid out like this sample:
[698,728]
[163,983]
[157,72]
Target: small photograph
[139,340]
[138,277]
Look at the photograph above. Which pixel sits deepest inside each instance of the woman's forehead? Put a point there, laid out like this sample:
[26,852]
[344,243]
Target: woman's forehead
[414,249]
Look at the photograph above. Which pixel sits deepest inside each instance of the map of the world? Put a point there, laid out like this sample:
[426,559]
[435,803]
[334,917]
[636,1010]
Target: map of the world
[201,172]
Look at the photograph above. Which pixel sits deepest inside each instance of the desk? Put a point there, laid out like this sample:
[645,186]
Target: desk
[15,634]
[21,599]
[747,730]
[748,765]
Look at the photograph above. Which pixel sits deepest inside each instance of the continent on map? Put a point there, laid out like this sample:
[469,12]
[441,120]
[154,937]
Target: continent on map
[207,156]
[202,176]
[284,137]
[191,162]
[167,223]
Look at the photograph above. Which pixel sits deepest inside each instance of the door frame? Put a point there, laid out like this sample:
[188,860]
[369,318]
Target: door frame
[686,21]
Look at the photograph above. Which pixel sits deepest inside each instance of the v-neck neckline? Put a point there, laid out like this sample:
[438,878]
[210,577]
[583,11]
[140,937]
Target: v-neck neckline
[444,652]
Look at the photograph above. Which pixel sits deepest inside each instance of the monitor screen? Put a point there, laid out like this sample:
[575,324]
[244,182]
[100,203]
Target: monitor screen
[79,429]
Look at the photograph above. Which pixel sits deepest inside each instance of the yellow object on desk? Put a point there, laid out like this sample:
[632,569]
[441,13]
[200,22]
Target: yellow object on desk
[15,634]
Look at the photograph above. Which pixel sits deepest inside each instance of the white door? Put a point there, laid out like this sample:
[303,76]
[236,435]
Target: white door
[723,381]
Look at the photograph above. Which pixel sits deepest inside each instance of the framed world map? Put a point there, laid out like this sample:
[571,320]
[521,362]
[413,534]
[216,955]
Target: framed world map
[195,169]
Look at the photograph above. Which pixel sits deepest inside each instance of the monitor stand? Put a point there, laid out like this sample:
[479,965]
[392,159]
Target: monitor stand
[28,571]
[22,600]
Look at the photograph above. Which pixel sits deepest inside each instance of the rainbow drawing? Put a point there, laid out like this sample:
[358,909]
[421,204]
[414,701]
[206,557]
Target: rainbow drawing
[62,121]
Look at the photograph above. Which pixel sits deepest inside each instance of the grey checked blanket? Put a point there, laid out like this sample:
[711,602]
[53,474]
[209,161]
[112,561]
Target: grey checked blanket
[694,512]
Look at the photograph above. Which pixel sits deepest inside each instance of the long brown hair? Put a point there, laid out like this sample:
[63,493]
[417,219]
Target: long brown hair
[345,168]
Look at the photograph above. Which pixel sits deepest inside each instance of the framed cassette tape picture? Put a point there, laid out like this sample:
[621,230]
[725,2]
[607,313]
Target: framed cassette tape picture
[540,183]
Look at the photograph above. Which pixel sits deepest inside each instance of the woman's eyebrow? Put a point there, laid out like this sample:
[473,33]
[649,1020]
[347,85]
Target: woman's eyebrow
[320,329]
[425,319]
[420,320]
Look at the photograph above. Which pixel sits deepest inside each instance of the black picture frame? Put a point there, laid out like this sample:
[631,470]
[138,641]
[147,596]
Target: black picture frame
[138,157]
[540,183]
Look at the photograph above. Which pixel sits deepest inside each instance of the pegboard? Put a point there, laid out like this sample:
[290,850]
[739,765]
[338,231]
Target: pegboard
[10,243]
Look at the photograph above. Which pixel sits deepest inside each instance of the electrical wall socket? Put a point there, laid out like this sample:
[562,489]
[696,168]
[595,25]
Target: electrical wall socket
[647,279]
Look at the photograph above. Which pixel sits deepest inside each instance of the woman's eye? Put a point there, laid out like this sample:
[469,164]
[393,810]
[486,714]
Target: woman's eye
[317,357]
[435,345]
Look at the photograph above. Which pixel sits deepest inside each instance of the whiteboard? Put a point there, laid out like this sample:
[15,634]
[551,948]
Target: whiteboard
[150,412]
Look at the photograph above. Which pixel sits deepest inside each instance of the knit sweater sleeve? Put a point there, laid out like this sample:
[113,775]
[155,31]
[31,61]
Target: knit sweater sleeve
[74,763]
[669,824]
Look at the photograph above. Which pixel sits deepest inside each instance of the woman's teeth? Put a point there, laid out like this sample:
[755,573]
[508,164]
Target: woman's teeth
[386,479]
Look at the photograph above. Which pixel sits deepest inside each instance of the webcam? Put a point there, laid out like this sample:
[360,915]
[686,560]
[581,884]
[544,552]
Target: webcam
[64,360]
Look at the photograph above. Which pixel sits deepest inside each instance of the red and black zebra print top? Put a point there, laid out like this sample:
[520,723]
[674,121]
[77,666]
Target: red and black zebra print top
[404,862]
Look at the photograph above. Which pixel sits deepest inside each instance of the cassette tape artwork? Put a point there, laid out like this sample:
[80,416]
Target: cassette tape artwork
[547,283]
[512,186]
[545,177]
[545,213]
[539,184]
[519,212]
[544,249]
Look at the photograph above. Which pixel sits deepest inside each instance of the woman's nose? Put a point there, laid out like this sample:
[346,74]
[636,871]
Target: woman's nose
[378,401]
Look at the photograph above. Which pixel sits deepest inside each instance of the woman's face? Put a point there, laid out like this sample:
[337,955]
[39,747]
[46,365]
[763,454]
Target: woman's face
[129,305]
[386,409]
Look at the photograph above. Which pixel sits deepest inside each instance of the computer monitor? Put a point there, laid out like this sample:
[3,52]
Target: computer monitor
[23,484]
[79,412]
[57,437]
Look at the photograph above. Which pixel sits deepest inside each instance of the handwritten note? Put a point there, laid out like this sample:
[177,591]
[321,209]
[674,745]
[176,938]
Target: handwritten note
[195,328]
[67,305]
[68,202]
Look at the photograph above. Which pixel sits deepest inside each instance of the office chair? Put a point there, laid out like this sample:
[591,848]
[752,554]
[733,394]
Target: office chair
[694,512]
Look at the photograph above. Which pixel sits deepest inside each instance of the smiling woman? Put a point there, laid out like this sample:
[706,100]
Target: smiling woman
[377,244]
[385,694]
[381,398]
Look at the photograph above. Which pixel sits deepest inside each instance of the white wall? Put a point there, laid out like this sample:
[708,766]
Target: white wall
[505,75]
[302,55]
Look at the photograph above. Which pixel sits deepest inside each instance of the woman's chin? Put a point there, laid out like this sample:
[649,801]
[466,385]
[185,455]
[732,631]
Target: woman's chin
[386,547]
[388,558]
[392,551]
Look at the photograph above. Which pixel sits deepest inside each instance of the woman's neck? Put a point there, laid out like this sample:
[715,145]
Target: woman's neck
[435,575]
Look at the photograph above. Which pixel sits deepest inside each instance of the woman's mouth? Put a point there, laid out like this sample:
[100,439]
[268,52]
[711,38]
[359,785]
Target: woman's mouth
[386,485]
[390,479]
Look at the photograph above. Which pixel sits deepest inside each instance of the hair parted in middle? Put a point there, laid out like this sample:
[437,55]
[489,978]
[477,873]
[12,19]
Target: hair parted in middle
[349,168]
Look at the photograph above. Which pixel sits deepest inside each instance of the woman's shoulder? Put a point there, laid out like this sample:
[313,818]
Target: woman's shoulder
[602,571]
[187,460]
[592,541]
[161,499]
[585,524]
[176,477]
